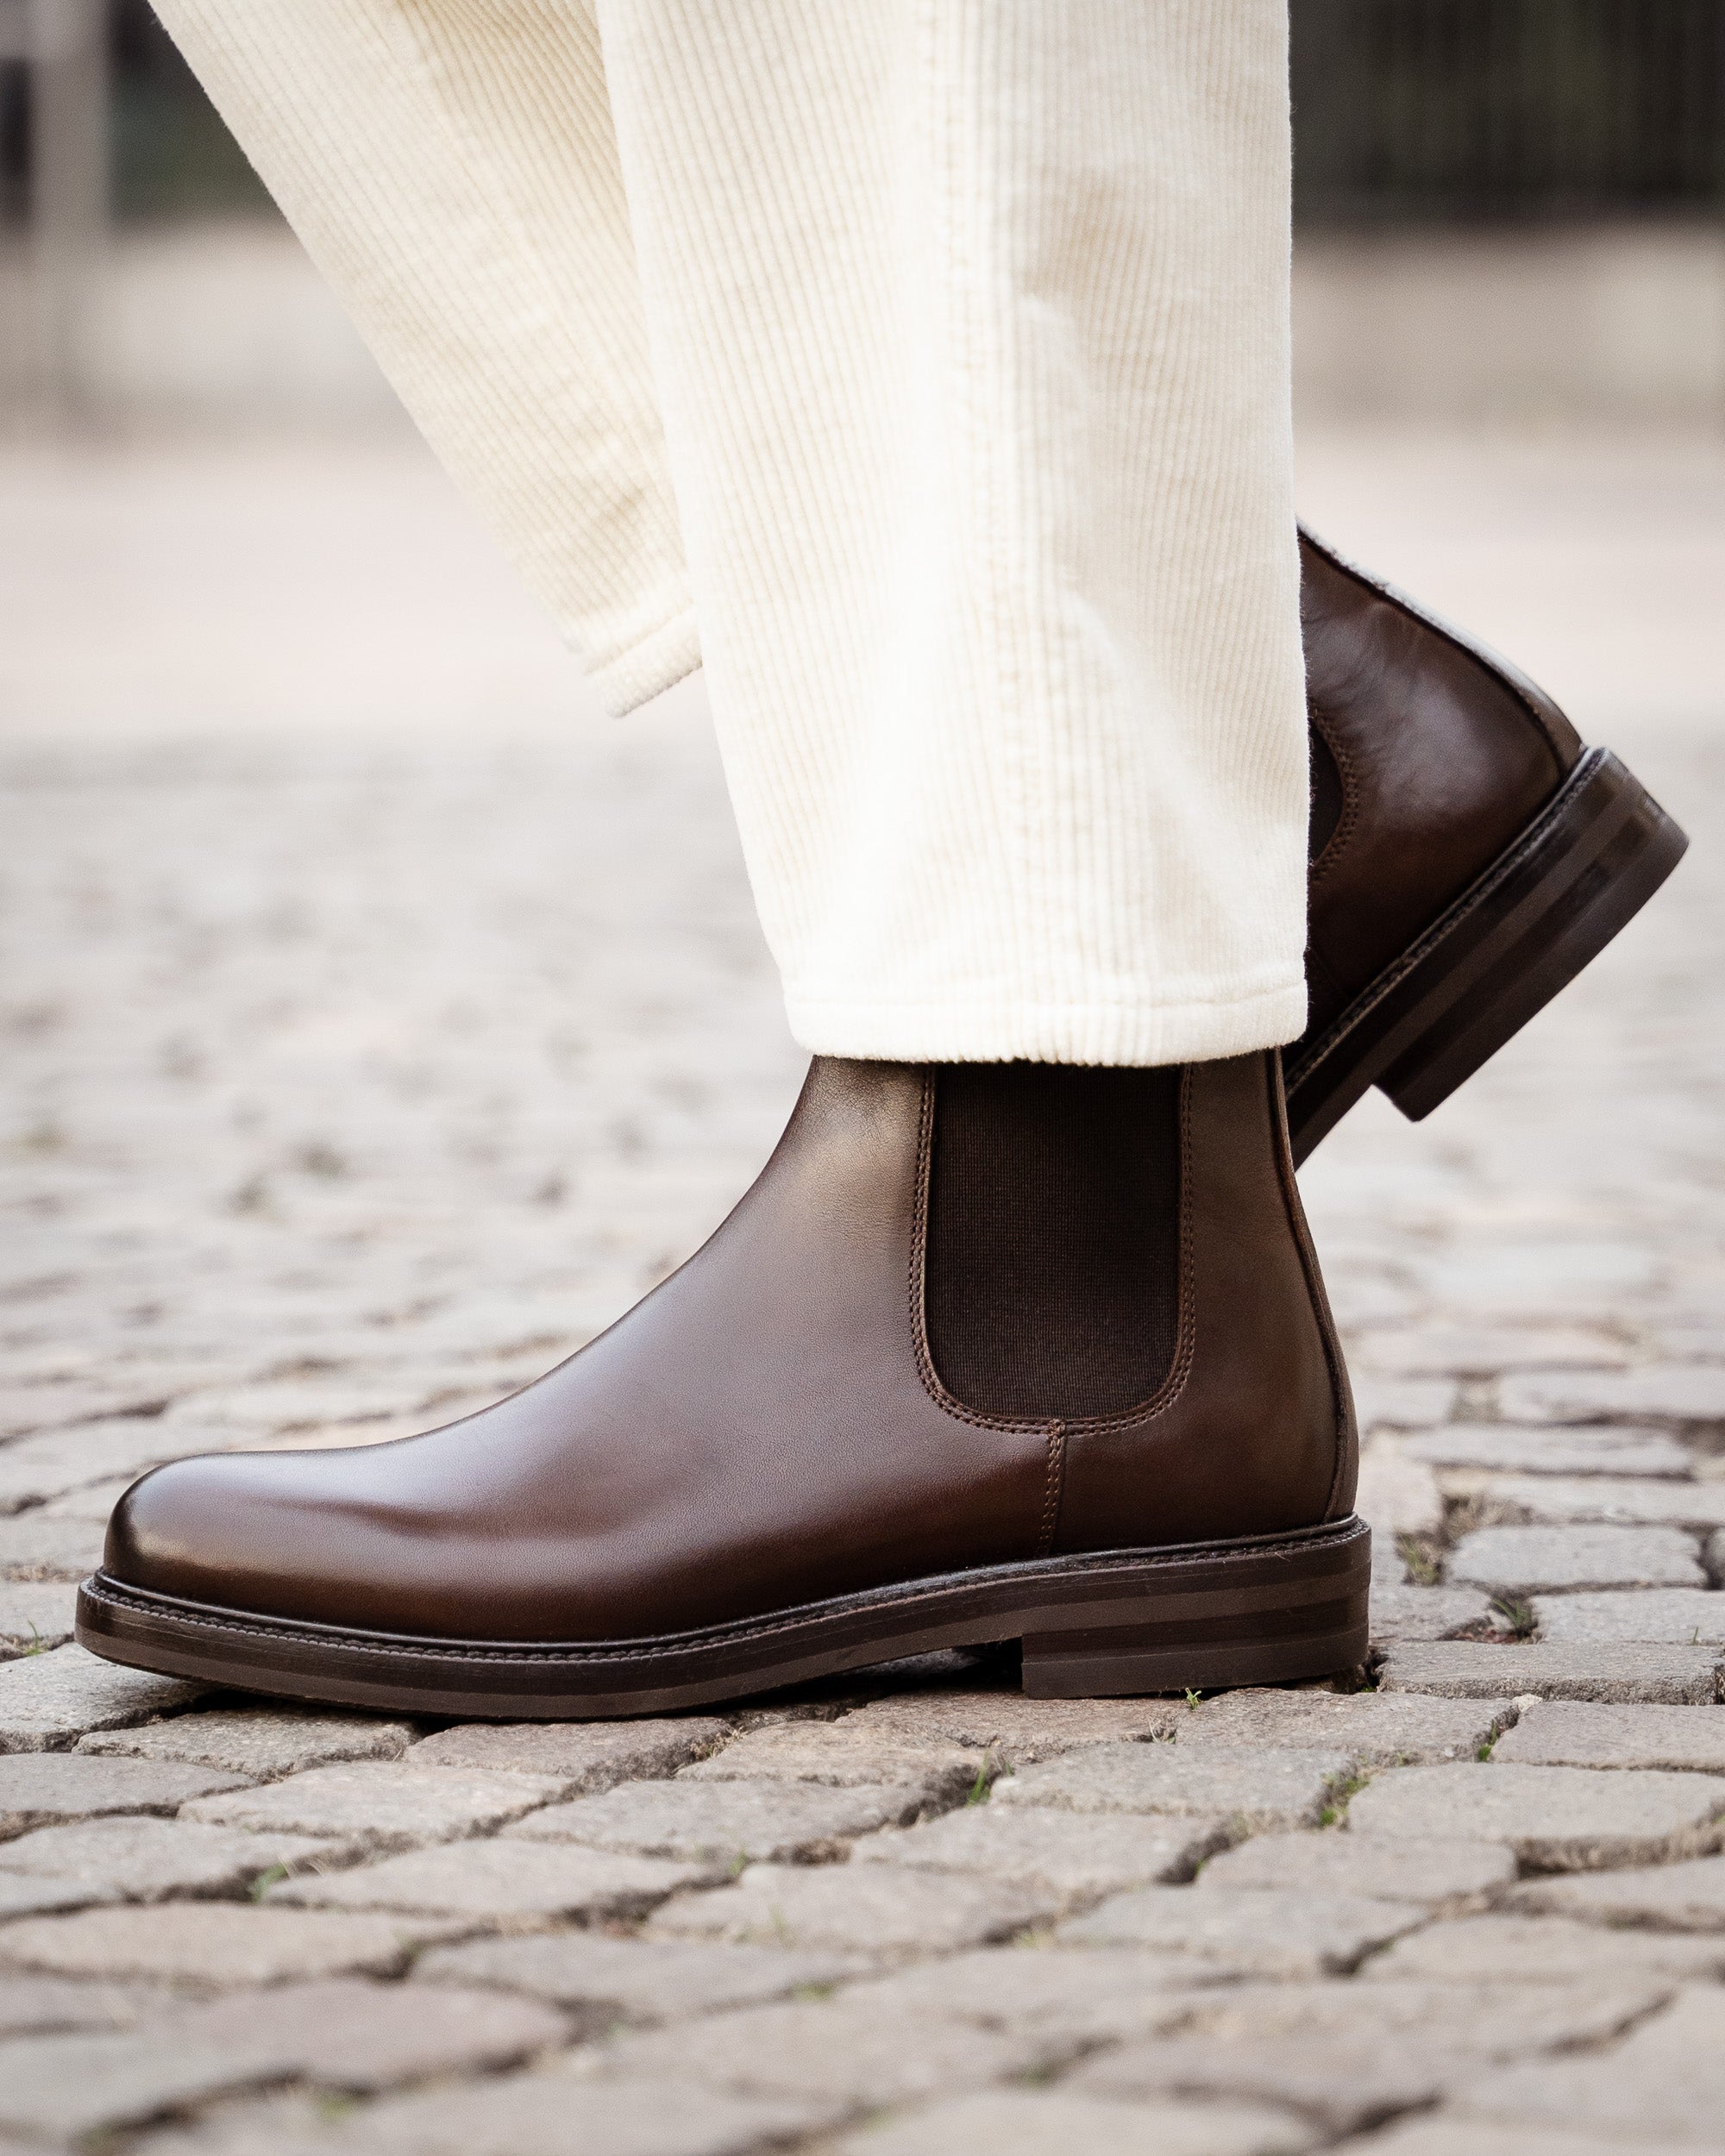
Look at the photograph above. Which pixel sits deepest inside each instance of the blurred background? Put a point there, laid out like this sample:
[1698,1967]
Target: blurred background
[1505,207]
[329,903]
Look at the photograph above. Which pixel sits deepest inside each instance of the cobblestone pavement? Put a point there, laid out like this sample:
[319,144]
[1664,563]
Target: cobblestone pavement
[356,1070]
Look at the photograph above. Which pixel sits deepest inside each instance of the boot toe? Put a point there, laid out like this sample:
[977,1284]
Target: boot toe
[196,1529]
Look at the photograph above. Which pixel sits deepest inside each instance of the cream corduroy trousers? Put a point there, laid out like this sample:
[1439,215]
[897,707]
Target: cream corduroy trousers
[919,367]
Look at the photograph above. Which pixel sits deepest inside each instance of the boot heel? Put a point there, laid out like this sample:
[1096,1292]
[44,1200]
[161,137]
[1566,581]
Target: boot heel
[1544,910]
[1595,869]
[1251,1616]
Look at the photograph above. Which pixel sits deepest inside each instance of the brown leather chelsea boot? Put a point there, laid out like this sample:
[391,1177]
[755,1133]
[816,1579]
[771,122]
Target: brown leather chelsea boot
[988,1352]
[1469,855]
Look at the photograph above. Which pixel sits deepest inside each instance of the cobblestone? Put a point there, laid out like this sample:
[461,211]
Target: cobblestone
[502,1879]
[855,2053]
[33,1546]
[1686,1616]
[1446,2134]
[1543,1950]
[605,1981]
[1372,1728]
[1078,1856]
[580,1757]
[1348,2055]
[1340,2084]
[1502,1447]
[1395,1495]
[1678,1392]
[1664,2082]
[1058,2123]
[1682,1896]
[1607,1672]
[861,1908]
[214,1944]
[23,1895]
[534,2111]
[38,1788]
[1552,1499]
[1075,1995]
[1556,1818]
[1531,1560]
[1259,1789]
[1381,1867]
[842,1756]
[1484,1351]
[721,1822]
[1269,1931]
[1484,2019]
[392,1806]
[1567,1733]
[35,1614]
[37,2006]
[69,2086]
[32,1468]
[258,1742]
[1400,1611]
[347,2033]
[48,1701]
[1016,1731]
[144,1859]
[293,1153]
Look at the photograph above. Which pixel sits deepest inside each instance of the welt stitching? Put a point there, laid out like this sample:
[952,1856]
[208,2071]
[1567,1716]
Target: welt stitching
[348,1643]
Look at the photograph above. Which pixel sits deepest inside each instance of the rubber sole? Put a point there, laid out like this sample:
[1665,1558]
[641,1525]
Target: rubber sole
[1260,1610]
[1547,907]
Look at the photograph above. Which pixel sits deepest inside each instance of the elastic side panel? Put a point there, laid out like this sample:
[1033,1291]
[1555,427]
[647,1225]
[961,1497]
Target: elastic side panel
[1053,1285]
[1328,797]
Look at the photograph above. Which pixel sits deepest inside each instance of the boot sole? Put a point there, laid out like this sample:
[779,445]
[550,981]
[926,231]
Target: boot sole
[1547,907]
[1260,1610]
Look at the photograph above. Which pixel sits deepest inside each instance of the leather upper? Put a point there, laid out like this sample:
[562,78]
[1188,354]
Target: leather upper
[767,1428]
[1443,752]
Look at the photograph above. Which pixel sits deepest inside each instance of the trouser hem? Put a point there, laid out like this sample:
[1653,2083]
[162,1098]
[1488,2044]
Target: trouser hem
[1006,1030]
[657,662]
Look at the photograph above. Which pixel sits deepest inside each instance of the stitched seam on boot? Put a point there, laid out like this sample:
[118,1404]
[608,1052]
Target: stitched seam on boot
[1348,821]
[1056,1482]
[1185,1336]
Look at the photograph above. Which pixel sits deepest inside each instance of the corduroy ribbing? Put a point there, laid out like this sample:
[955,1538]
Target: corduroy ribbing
[959,328]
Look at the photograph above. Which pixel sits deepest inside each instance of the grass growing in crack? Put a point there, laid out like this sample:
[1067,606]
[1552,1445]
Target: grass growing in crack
[1193,1699]
[265,1880]
[1479,1508]
[981,1786]
[1341,1793]
[1420,1554]
[1517,1616]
